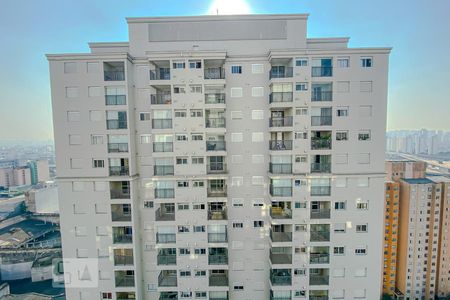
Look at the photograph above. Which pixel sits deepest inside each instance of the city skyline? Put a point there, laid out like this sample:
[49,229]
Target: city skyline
[26,90]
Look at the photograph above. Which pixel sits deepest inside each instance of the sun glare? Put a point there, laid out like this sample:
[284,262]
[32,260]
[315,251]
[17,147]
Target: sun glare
[229,7]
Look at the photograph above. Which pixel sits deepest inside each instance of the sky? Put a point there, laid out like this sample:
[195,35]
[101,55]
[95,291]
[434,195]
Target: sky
[418,31]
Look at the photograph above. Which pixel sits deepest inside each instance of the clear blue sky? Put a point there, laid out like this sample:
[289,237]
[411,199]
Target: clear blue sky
[419,32]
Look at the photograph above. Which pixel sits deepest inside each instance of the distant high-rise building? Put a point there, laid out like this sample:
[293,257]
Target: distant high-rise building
[40,171]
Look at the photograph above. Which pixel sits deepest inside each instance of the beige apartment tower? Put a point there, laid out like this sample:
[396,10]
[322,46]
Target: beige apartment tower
[222,157]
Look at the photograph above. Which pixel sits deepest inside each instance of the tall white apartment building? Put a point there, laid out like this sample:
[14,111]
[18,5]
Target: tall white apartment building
[223,157]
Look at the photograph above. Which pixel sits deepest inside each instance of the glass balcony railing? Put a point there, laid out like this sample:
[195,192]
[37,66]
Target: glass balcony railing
[163,215]
[161,99]
[117,147]
[123,280]
[216,192]
[322,71]
[280,97]
[320,236]
[123,260]
[167,278]
[217,259]
[215,146]
[164,193]
[119,171]
[168,296]
[280,258]
[319,279]
[320,190]
[216,168]
[281,191]
[217,214]
[281,277]
[116,124]
[120,193]
[162,146]
[214,73]
[280,122]
[121,238]
[280,213]
[217,237]
[215,122]
[114,75]
[161,170]
[280,237]
[320,143]
[319,258]
[160,74]
[279,145]
[166,259]
[218,280]
[166,238]
[280,168]
[162,123]
[320,168]
[120,216]
[215,98]
[321,95]
[285,72]
[322,213]
[321,121]
[115,100]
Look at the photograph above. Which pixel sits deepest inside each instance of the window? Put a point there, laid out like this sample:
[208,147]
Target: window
[238,287]
[366,62]
[257,91]
[197,137]
[145,138]
[339,227]
[361,228]
[180,113]
[238,225]
[181,137]
[300,227]
[342,111]
[364,135]
[236,92]
[198,206]
[198,160]
[200,295]
[199,228]
[179,89]
[301,158]
[185,273]
[144,116]
[182,160]
[361,251]
[96,139]
[236,69]
[98,163]
[196,113]
[257,114]
[339,250]
[299,272]
[341,135]
[257,68]
[198,183]
[195,64]
[184,251]
[300,205]
[339,205]
[178,64]
[362,205]
[183,184]
[301,86]
[183,229]
[301,135]
[257,224]
[196,89]
[200,273]
[301,293]
[200,251]
[343,62]
[301,111]
[106,296]
[301,62]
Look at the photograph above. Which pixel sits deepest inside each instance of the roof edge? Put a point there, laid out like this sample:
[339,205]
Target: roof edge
[302,16]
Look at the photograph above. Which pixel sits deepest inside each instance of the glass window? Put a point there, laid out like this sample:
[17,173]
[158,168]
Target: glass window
[236,69]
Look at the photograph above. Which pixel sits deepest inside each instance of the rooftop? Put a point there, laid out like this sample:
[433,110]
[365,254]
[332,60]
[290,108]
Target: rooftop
[417,180]
[19,233]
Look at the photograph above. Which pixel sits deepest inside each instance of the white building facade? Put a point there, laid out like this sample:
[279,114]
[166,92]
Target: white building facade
[223,157]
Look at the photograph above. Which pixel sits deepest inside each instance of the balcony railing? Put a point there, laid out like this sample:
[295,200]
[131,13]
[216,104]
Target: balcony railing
[123,260]
[320,168]
[164,193]
[119,171]
[320,190]
[217,214]
[281,279]
[116,124]
[280,213]
[162,146]
[163,170]
[216,98]
[286,72]
[280,168]
[282,191]
[162,123]
[280,258]
[280,97]
[165,238]
[161,215]
[216,192]
[214,73]
[217,237]
[215,122]
[217,259]
[280,297]
[161,99]
[218,280]
[320,236]
[280,237]
[216,168]
[120,216]
[319,279]
[322,213]
[159,75]
[124,280]
[321,121]
[115,100]
[120,194]
[318,297]
[122,238]
[322,71]
[321,95]
[319,258]
[280,122]
[320,144]
[166,259]
[278,145]
[117,147]
[215,146]
[165,280]
[168,296]
[114,75]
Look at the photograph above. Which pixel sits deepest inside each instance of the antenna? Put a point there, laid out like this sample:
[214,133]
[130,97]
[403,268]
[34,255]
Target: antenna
[217,11]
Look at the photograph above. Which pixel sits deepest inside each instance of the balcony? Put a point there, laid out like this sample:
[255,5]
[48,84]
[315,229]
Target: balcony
[119,171]
[113,71]
[115,100]
[164,193]
[121,212]
[215,146]
[215,98]
[215,122]
[321,213]
[320,233]
[218,279]
[276,97]
[124,278]
[218,256]
[168,296]
[280,122]
[277,212]
[165,214]
[216,168]
[280,168]
[319,258]
[116,124]
[319,277]
[220,237]
[119,189]
[321,120]
[279,145]
[162,123]
[281,277]
[320,190]
[117,147]
[217,214]
[125,295]
[281,191]
[213,192]
[320,167]
[218,295]
[163,170]
[281,255]
[123,257]
[317,95]
[167,278]
[166,238]
[214,73]
[167,257]
[281,72]
[280,295]
[322,71]
[157,99]
[160,74]
[122,235]
[318,143]
[162,146]
[280,237]
[312,297]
